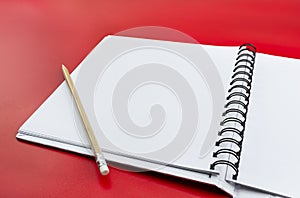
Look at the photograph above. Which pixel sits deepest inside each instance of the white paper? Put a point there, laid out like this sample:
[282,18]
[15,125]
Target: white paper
[270,155]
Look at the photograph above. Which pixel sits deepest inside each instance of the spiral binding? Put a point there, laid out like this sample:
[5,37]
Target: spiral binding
[236,108]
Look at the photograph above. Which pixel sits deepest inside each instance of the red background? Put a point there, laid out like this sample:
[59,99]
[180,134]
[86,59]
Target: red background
[37,36]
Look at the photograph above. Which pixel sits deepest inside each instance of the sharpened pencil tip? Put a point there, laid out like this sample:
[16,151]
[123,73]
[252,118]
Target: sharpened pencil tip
[63,67]
[65,71]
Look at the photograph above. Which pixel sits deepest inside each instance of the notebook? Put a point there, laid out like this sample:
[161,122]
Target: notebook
[226,116]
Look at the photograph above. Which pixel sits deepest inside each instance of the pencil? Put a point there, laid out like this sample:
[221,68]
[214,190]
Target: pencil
[100,160]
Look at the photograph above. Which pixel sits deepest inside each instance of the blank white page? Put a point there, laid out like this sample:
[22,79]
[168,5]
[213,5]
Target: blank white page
[270,157]
[57,123]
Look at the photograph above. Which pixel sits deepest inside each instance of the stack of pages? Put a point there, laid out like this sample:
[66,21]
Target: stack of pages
[226,116]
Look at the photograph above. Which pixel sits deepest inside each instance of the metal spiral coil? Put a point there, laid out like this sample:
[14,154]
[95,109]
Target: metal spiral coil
[236,108]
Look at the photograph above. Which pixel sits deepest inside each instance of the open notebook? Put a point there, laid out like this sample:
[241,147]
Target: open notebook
[159,105]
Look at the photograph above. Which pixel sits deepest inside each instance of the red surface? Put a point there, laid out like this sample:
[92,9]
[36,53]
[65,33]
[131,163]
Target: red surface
[37,36]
